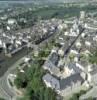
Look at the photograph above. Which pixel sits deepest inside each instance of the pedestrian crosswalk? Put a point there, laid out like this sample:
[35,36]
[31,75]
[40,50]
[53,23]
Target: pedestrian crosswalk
[4,95]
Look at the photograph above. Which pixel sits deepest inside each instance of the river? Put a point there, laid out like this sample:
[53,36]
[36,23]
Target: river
[6,62]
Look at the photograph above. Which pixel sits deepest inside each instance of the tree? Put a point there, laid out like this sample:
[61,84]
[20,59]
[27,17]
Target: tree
[74,97]
[90,98]
[2,98]
[20,81]
[34,88]
[93,58]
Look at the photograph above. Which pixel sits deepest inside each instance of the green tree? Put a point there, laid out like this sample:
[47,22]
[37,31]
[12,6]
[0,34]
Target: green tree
[21,80]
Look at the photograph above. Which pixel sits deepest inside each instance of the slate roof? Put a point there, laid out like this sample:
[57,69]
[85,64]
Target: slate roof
[52,80]
[73,66]
[54,58]
[73,79]
[62,84]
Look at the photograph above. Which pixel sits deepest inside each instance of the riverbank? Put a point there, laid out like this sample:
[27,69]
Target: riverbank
[7,62]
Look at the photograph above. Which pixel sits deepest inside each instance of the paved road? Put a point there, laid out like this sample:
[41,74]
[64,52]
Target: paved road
[69,47]
[5,69]
[6,62]
[6,91]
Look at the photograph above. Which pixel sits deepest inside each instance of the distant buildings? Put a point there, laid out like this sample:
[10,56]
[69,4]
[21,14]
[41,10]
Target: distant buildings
[11,21]
[12,42]
[69,67]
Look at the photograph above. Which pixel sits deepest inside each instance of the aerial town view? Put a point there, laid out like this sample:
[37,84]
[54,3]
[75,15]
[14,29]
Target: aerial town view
[48,49]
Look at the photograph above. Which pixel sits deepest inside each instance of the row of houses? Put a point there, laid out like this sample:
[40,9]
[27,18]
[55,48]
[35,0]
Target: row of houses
[11,41]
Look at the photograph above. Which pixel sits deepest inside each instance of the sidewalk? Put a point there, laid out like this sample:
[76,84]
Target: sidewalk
[90,93]
[6,91]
